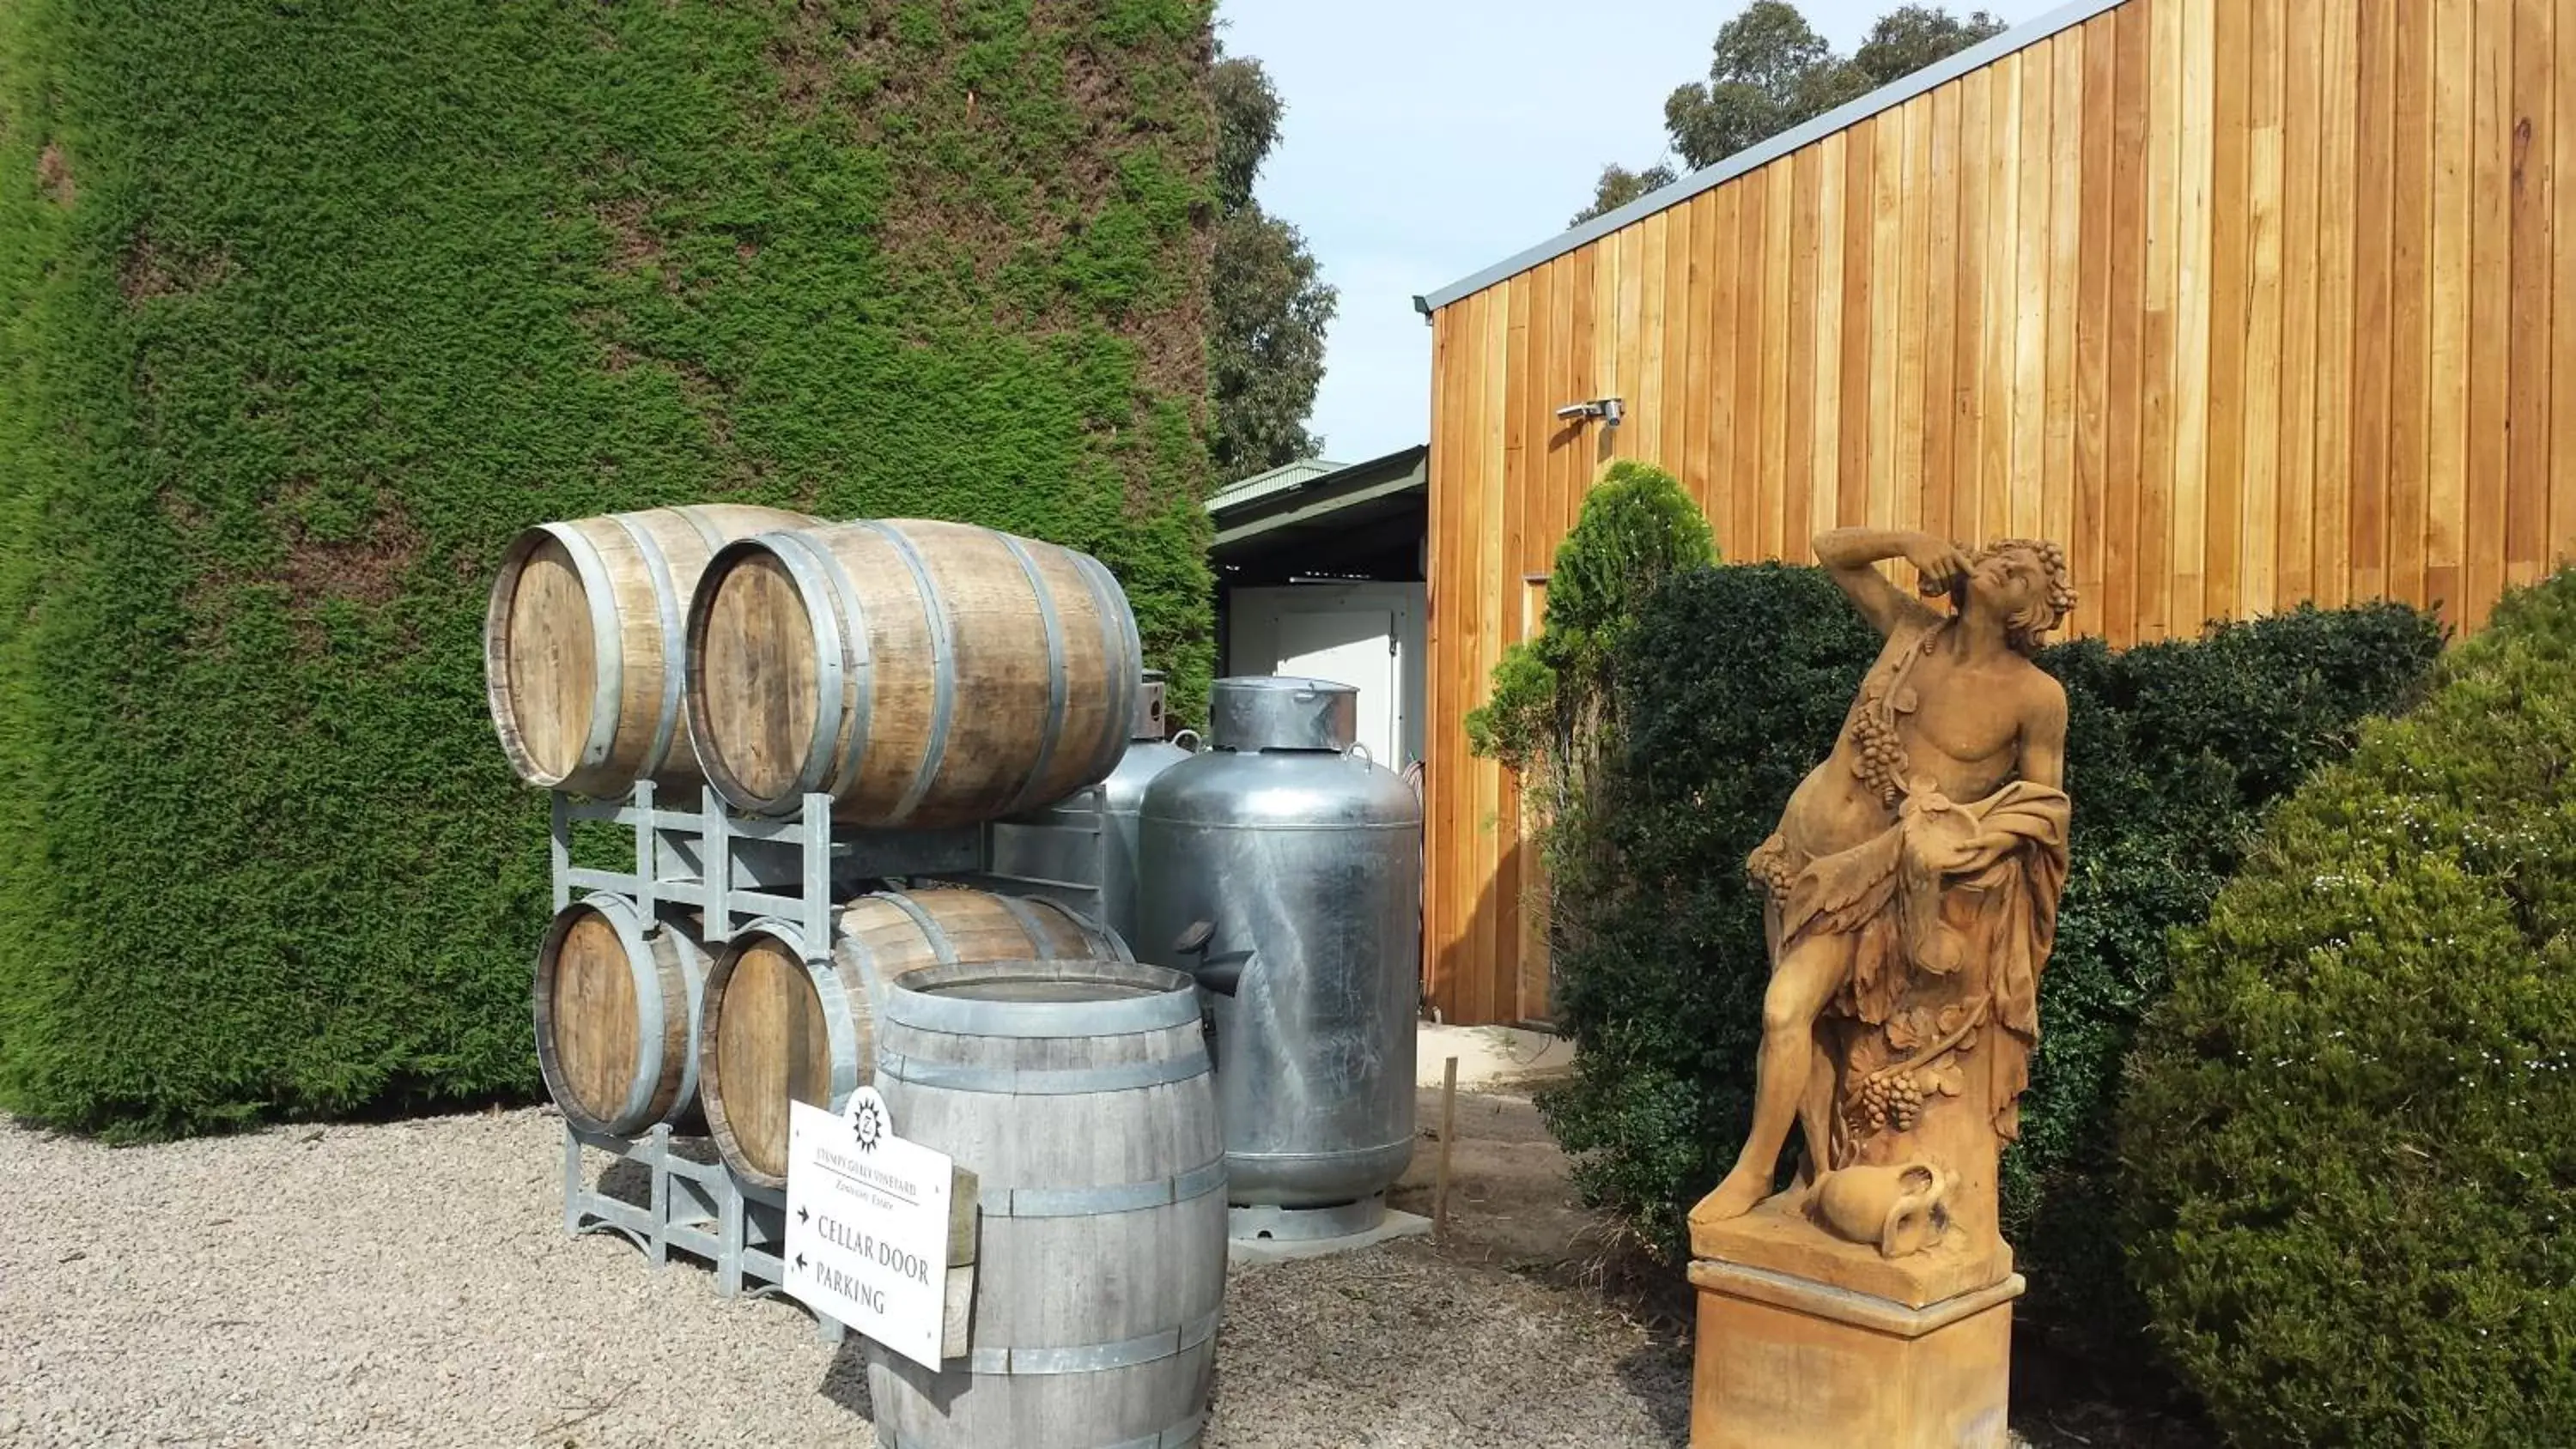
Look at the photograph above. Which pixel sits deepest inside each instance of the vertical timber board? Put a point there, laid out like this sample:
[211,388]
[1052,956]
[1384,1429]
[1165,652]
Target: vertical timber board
[1493,429]
[1723,244]
[2156,490]
[2231,303]
[1698,379]
[2036,213]
[1641,346]
[1855,410]
[2193,329]
[2123,441]
[2481,537]
[1510,346]
[2374,231]
[1779,224]
[1963,507]
[1619,351]
[1945,201]
[1672,324]
[1913,310]
[1825,340]
[1992,461]
[2338,86]
[1445,736]
[2421,328]
[2066,153]
[1753,356]
[2258,420]
[2451,299]
[2293,561]
[1798,391]
[2091,328]
[1887,292]
[1497,937]
[2561,544]
[2532,137]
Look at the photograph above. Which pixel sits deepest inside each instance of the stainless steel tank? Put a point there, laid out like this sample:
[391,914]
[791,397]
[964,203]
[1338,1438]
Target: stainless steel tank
[1092,836]
[1283,870]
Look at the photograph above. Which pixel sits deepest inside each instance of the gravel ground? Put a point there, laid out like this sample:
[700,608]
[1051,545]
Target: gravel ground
[409,1284]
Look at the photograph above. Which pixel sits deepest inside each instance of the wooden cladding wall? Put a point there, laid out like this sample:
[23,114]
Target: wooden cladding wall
[2248,301]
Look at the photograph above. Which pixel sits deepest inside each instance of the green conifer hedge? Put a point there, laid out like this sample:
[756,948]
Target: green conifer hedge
[2350,1174]
[307,306]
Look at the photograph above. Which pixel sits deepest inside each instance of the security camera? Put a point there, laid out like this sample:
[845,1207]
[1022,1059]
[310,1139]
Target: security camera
[1609,410]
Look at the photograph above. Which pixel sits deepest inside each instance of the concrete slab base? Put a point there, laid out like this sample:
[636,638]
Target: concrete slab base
[1275,1250]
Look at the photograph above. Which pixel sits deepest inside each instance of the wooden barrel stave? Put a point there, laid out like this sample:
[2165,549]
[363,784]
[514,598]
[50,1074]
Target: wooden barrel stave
[1096,1308]
[956,674]
[617,999]
[806,1031]
[583,643]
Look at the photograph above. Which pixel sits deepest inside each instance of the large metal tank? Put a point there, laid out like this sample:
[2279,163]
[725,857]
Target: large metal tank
[1092,836]
[1283,870]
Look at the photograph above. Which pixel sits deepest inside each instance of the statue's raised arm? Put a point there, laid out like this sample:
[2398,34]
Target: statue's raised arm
[1852,556]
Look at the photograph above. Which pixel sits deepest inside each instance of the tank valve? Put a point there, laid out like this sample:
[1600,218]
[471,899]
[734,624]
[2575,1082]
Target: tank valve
[1220,974]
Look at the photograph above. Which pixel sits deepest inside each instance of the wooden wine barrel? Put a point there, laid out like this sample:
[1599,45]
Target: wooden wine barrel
[617,997]
[780,1028]
[921,674]
[1079,1095]
[582,643]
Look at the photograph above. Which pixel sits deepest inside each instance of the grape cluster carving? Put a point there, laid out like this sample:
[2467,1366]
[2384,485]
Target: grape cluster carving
[1883,764]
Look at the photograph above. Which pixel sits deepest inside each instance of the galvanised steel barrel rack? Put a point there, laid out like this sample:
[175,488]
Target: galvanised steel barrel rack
[789,874]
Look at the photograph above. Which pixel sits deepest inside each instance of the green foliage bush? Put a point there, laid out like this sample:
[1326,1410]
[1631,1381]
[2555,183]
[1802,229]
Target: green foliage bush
[1732,686]
[1637,528]
[305,309]
[2349,1173]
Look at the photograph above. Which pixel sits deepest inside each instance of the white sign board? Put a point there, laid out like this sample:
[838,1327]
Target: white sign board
[867,1224]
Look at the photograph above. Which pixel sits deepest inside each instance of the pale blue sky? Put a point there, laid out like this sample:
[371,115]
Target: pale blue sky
[1429,139]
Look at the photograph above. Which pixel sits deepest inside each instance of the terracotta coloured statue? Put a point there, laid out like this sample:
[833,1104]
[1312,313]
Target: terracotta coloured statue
[1912,901]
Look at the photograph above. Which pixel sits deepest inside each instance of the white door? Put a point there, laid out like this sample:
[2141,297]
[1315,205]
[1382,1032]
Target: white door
[1357,648]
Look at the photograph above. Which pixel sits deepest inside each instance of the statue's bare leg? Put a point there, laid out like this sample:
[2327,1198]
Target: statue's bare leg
[1804,981]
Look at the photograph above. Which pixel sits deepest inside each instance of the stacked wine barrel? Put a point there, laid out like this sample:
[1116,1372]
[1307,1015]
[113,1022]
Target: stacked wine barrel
[920,674]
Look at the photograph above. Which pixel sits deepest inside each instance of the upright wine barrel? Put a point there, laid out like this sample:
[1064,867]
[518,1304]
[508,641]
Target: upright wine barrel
[1079,1095]
[780,1028]
[617,998]
[921,674]
[582,643]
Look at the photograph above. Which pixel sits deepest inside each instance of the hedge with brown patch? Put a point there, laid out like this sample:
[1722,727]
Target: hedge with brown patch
[306,308]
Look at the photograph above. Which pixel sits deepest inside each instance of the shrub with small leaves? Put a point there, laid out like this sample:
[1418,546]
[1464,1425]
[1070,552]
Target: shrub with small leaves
[2350,1185]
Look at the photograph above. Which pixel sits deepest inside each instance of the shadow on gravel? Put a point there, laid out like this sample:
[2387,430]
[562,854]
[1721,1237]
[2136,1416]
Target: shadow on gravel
[846,1382]
[1660,1377]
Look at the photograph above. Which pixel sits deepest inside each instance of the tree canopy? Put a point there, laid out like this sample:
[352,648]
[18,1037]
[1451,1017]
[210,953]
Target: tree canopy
[1266,349]
[1770,70]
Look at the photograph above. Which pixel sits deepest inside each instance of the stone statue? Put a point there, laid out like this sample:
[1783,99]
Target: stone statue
[1912,893]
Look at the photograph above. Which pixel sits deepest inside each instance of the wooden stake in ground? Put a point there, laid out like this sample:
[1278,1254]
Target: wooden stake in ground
[1448,1130]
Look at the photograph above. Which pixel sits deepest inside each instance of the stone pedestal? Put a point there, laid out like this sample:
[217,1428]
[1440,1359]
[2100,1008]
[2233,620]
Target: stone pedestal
[1788,1363]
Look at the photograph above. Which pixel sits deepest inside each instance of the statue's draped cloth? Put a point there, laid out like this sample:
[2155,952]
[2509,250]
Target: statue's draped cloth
[1945,888]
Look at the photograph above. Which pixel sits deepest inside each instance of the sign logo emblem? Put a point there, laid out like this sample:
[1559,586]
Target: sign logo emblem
[868,1121]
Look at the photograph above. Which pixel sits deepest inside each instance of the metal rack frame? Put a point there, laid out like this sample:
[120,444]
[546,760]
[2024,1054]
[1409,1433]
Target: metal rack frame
[787,874]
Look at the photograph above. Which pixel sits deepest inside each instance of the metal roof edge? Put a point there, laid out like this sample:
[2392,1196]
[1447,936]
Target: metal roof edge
[1403,462]
[1885,98]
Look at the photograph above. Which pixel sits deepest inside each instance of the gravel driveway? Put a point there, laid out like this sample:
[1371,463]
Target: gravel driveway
[409,1284]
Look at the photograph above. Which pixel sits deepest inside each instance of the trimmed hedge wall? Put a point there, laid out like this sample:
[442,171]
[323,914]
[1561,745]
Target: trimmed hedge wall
[306,308]
[1733,684]
[2351,1176]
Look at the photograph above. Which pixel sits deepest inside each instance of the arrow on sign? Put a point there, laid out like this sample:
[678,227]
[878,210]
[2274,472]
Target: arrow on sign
[803,1216]
[800,1262]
